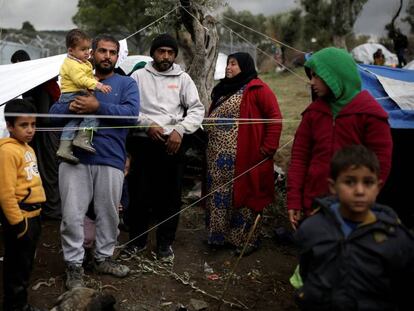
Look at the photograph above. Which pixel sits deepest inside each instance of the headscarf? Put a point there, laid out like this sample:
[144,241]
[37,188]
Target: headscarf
[338,70]
[228,86]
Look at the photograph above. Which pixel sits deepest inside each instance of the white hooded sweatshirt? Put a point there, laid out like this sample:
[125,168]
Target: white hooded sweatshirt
[165,96]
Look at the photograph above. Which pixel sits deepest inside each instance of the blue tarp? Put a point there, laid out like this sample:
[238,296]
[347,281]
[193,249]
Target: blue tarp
[403,119]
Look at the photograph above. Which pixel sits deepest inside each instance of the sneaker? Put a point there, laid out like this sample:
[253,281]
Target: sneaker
[74,277]
[110,266]
[165,253]
[132,251]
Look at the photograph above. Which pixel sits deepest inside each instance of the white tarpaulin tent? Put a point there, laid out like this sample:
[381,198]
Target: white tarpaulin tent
[15,79]
[364,54]
[128,64]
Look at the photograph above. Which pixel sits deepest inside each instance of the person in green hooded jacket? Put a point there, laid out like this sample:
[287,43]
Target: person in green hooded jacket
[341,115]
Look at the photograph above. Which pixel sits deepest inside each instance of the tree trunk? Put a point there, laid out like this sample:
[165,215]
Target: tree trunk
[201,49]
[339,41]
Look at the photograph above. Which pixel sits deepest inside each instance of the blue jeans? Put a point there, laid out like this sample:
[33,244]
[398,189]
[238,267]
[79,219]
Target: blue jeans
[69,131]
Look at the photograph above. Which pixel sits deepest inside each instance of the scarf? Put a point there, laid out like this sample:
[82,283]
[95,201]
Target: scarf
[228,86]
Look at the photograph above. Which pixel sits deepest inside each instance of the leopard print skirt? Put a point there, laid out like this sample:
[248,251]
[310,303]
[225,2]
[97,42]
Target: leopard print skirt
[224,223]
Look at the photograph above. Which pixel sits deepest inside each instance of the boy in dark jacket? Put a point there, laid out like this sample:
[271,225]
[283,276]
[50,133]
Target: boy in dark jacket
[354,253]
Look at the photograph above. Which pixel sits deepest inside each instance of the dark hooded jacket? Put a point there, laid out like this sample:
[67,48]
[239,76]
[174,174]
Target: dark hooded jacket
[370,269]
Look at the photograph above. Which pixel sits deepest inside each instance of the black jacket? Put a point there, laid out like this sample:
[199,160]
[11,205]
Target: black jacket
[371,269]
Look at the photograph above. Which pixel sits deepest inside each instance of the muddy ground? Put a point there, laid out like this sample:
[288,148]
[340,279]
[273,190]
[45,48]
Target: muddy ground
[199,275]
[260,281]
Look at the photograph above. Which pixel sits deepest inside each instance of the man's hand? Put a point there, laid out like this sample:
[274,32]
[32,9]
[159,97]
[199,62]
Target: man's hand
[294,217]
[173,142]
[156,132]
[84,104]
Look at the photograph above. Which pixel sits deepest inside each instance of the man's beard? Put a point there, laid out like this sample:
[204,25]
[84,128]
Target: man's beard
[104,70]
[163,65]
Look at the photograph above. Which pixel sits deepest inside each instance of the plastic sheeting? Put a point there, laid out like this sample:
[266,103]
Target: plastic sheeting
[129,63]
[394,90]
[15,79]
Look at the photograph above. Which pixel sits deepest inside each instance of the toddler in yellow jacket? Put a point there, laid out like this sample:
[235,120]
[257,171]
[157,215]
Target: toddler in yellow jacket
[21,194]
[77,78]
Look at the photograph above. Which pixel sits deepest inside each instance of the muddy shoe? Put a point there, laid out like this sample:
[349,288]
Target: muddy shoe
[74,277]
[83,141]
[65,152]
[132,251]
[165,254]
[109,266]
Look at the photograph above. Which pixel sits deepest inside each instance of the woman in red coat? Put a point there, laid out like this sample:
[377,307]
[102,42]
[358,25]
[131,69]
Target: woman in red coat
[341,115]
[235,148]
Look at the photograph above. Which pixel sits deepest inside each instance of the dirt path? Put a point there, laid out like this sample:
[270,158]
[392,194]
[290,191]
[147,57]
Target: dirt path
[260,281]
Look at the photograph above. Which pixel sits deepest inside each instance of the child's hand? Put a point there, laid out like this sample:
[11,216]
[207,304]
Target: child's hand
[294,217]
[105,88]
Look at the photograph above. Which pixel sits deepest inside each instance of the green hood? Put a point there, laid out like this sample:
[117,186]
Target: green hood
[338,70]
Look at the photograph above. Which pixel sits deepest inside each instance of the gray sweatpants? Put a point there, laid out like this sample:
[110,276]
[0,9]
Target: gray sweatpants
[79,185]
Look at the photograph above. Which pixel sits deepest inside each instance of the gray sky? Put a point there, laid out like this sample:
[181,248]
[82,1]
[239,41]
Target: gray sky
[57,14]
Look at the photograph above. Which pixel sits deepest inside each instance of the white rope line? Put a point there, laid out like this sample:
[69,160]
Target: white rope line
[270,56]
[149,25]
[100,116]
[75,128]
[194,203]
[264,35]
[280,148]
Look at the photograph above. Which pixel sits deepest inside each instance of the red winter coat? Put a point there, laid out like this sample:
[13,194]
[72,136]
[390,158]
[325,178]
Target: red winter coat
[319,136]
[255,189]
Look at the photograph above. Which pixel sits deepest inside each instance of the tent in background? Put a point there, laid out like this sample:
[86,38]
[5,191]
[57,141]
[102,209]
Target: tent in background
[16,79]
[394,89]
[131,60]
[364,54]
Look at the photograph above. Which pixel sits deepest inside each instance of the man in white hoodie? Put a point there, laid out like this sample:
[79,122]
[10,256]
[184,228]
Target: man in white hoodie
[170,109]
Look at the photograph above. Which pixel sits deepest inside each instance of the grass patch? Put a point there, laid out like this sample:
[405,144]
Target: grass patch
[293,96]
